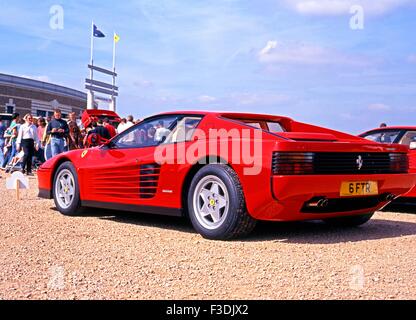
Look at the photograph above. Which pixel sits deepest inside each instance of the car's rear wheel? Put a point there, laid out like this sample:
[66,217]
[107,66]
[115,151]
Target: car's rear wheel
[350,221]
[66,193]
[216,204]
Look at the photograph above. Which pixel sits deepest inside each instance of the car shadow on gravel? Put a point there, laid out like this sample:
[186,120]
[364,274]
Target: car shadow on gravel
[140,219]
[401,208]
[317,232]
[314,232]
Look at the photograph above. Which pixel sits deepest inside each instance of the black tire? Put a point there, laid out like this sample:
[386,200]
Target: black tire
[350,221]
[75,207]
[236,222]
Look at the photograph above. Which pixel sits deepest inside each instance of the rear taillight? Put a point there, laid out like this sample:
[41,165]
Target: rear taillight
[399,163]
[293,163]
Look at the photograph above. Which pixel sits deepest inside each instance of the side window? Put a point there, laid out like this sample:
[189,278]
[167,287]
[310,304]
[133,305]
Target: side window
[383,136]
[409,137]
[148,133]
[184,130]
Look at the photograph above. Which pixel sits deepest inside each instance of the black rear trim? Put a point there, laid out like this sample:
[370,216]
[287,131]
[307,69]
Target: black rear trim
[346,204]
[338,163]
[176,212]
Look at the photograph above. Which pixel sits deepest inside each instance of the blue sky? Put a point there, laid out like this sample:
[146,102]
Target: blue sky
[291,57]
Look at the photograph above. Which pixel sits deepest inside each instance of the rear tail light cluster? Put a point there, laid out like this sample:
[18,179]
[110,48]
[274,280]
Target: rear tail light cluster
[336,163]
[293,163]
[399,162]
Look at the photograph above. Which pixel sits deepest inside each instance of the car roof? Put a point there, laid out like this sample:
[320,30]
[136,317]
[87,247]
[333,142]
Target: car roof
[392,128]
[243,115]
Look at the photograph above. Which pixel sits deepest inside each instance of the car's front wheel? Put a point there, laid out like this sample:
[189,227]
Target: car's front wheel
[350,221]
[216,204]
[66,193]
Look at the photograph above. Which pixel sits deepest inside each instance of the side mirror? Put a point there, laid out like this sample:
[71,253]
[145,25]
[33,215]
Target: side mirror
[413,145]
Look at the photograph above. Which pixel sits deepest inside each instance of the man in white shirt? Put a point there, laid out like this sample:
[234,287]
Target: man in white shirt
[125,124]
[28,140]
[161,132]
[130,122]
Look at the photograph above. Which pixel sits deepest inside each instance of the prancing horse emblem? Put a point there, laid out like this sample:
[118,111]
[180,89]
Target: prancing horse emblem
[360,162]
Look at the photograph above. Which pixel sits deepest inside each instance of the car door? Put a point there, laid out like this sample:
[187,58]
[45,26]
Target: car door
[176,159]
[125,171]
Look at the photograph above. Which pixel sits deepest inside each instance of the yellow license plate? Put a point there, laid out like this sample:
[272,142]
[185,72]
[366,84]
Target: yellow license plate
[359,188]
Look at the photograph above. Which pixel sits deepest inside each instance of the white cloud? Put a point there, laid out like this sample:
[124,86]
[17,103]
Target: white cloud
[411,58]
[307,54]
[206,99]
[342,7]
[257,99]
[244,100]
[141,83]
[269,47]
[379,107]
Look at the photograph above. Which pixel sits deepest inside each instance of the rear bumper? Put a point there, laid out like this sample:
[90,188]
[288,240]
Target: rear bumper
[291,193]
[301,187]
[411,193]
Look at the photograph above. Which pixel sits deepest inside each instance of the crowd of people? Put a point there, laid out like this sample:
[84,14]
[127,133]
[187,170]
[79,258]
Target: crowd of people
[26,139]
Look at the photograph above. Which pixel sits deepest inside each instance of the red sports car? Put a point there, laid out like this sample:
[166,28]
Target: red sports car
[401,135]
[93,115]
[225,171]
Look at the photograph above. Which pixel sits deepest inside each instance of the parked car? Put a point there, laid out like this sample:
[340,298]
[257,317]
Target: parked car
[401,135]
[225,171]
[93,115]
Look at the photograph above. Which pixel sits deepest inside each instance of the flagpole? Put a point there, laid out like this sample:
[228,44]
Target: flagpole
[90,102]
[114,52]
[92,43]
[113,98]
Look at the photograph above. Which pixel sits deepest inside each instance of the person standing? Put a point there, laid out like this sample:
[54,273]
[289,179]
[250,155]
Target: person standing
[11,135]
[161,132]
[27,140]
[41,133]
[75,139]
[130,122]
[101,130]
[121,126]
[58,130]
[97,134]
[2,141]
[110,128]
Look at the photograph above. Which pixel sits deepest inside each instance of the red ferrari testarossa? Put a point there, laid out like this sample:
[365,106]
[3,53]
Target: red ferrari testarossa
[227,170]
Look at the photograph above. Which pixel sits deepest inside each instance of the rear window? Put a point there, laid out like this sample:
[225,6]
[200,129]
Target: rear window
[275,127]
[271,126]
[254,124]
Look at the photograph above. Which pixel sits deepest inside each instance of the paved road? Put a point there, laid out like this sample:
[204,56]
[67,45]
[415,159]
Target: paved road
[108,255]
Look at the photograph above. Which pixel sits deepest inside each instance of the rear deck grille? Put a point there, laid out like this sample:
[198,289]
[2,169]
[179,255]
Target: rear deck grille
[335,163]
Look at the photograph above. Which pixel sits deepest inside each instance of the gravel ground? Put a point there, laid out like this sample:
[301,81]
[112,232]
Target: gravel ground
[110,255]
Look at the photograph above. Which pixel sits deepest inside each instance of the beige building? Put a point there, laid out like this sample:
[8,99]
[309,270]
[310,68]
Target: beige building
[39,98]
